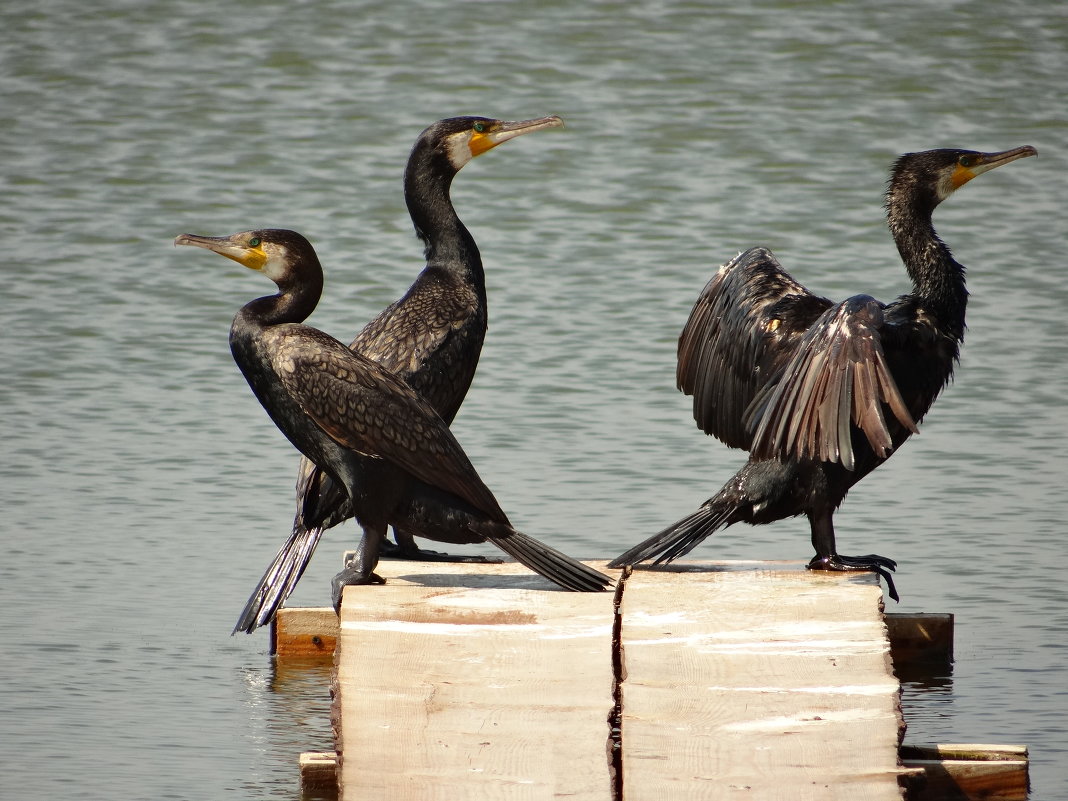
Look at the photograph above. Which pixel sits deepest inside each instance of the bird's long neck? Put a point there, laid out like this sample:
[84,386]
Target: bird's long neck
[249,333]
[937,278]
[449,244]
[294,302]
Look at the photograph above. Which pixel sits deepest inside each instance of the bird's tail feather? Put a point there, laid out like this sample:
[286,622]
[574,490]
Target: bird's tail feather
[551,563]
[679,538]
[279,579]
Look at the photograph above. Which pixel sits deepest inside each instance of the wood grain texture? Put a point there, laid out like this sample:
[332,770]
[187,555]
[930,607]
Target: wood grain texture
[452,689]
[299,632]
[742,680]
[969,770]
[757,683]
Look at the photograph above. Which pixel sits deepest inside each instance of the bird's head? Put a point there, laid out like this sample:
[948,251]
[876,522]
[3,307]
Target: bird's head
[929,177]
[461,139]
[278,253]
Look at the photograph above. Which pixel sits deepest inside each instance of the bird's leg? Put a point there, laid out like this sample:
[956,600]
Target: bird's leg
[360,568]
[406,548]
[827,557]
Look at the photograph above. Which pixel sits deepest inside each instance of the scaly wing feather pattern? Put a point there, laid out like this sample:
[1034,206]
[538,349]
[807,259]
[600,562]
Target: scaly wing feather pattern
[425,338]
[836,378]
[365,408]
[744,325]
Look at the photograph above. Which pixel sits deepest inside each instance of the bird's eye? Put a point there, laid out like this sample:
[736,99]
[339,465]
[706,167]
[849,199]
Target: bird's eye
[479,127]
[254,242]
[966,161]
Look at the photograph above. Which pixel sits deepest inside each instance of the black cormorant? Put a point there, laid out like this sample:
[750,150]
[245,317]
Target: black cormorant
[375,436]
[821,394]
[431,338]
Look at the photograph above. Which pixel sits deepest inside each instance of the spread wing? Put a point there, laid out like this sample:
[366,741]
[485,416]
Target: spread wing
[836,378]
[744,326]
[364,407]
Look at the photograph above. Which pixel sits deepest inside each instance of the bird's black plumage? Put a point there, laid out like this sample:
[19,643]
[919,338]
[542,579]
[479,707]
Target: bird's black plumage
[819,393]
[431,337]
[372,434]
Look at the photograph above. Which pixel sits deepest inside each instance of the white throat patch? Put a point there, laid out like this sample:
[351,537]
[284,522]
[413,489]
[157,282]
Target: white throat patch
[459,149]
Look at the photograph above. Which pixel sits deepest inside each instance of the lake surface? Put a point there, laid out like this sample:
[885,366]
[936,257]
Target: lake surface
[144,489]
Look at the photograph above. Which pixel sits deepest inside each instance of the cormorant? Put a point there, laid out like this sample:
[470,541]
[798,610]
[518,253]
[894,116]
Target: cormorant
[431,338]
[373,435]
[821,394]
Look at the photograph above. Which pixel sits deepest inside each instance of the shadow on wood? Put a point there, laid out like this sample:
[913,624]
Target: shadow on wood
[968,772]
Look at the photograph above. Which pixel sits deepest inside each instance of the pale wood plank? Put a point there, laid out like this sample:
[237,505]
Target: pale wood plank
[767,684]
[303,632]
[473,681]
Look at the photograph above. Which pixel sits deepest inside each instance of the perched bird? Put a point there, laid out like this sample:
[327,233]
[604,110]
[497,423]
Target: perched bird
[431,338]
[372,434]
[819,393]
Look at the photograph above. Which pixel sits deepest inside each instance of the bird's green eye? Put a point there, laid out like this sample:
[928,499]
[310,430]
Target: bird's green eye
[479,127]
[966,161]
[254,242]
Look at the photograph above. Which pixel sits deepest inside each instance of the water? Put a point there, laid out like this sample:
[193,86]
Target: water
[144,489]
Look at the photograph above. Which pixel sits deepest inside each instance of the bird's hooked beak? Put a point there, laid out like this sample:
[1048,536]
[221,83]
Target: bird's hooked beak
[973,164]
[245,249]
[481,141]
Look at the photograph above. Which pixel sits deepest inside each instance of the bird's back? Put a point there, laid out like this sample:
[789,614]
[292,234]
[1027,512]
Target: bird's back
[431,338]
[367,410]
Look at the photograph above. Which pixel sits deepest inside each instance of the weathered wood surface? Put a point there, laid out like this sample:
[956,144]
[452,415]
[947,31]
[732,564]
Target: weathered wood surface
[756,683]
[456,686]
[485,682]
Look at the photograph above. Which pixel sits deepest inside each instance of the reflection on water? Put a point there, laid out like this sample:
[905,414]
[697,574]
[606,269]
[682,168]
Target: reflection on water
[927,705]
[288,703]
[144,489]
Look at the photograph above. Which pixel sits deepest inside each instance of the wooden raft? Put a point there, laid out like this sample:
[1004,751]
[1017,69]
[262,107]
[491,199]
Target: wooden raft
[724,680]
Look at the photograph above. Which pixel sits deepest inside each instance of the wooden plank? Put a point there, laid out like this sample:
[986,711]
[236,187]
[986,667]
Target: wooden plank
[965,771]
[755,682]
[304,632]
[920,639]
[318,773]
[975,752]
[473,682]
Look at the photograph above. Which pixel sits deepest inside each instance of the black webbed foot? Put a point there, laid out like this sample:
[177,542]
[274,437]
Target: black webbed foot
[350,576]
[862,562]
[413,552]
[872,562]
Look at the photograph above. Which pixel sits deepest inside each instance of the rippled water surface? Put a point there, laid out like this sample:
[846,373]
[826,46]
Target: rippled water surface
[144,489]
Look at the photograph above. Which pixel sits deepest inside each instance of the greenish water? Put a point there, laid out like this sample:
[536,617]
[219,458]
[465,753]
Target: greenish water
[144,489]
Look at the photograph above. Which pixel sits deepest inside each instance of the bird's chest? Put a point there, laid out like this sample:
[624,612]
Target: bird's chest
[922,363]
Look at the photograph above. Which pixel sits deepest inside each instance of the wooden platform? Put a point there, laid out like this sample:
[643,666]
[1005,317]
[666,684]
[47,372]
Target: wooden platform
[710,680]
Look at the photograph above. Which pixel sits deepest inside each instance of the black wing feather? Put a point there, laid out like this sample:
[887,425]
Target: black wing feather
[836,378]
[362,406]
[430,338]
[744,325]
